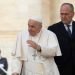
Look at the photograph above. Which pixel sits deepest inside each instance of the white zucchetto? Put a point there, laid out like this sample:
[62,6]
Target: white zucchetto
[36,18]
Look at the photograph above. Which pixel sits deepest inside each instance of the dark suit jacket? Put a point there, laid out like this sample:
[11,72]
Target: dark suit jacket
[5,63]
[67,45]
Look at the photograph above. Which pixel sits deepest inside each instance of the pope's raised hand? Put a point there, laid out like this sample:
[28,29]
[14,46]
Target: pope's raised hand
[33,44]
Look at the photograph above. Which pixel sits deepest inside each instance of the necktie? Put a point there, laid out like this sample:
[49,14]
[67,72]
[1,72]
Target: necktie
[68,30]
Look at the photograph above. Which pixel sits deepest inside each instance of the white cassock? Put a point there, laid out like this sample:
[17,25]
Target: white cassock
[37,63]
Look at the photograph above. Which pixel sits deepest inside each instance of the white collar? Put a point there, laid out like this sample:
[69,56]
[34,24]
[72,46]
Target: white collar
[69,23]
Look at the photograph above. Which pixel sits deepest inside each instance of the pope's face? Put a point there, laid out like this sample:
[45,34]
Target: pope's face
[34,27]
[66,14]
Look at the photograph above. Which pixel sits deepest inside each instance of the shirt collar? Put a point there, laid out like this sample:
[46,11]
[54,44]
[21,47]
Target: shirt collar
[69,23]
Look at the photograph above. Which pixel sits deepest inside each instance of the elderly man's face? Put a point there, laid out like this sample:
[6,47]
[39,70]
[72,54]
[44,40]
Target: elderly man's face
[66,14]
[34,27]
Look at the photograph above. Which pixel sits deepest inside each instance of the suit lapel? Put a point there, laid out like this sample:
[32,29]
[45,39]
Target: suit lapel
[63,30]
[73,29]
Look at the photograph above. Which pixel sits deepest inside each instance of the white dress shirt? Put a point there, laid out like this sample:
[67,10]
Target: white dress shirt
[69,27]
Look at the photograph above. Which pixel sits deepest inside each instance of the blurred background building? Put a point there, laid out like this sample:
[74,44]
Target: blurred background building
[14,16]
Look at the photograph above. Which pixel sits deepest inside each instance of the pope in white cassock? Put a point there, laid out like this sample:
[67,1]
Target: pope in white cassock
[35,51]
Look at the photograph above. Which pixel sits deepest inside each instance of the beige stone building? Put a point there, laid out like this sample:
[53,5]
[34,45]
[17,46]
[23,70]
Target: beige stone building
[14,15]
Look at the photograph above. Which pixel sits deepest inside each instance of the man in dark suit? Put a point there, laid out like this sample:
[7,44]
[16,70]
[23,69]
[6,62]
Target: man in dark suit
[3,64]
[65,31]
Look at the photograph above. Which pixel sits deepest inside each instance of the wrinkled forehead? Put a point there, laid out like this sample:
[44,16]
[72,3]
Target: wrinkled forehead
[66,8]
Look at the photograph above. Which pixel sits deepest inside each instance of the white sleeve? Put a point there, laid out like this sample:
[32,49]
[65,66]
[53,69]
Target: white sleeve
[52,48]
[16,65]
[17,55]
[17,49]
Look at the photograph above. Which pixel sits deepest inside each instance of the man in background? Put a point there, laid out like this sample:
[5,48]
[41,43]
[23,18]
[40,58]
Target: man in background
[65,32]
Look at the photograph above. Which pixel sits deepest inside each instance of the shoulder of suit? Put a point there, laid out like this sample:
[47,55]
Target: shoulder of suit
[55,25]
[74,22]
